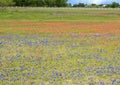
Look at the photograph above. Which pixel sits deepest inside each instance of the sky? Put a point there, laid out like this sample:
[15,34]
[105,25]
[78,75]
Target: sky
[92,1]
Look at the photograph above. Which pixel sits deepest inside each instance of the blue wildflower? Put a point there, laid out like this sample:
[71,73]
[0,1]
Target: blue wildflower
[113,81]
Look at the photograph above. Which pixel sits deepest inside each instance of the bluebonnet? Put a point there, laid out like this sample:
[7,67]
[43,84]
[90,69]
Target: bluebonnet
[0,42]
[102,83]
[119,68]
[21,68]
[113,81]
[0,63]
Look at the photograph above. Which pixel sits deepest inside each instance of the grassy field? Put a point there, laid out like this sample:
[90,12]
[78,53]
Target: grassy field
[56,46]
[60,14]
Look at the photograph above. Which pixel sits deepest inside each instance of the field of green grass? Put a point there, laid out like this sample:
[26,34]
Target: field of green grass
[31,53]
[60,14]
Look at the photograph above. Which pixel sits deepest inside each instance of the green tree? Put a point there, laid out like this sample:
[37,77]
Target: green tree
[61,3]
[79,5]
[41,3]
[114,5]
[4,3]
[21,2]
[50,3]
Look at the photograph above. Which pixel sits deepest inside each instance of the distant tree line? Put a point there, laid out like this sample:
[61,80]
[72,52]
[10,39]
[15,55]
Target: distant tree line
[112,5]
[53,3]
[41,3]
[34,3]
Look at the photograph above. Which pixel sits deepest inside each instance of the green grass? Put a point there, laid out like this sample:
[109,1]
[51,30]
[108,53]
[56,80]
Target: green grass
[59,14]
